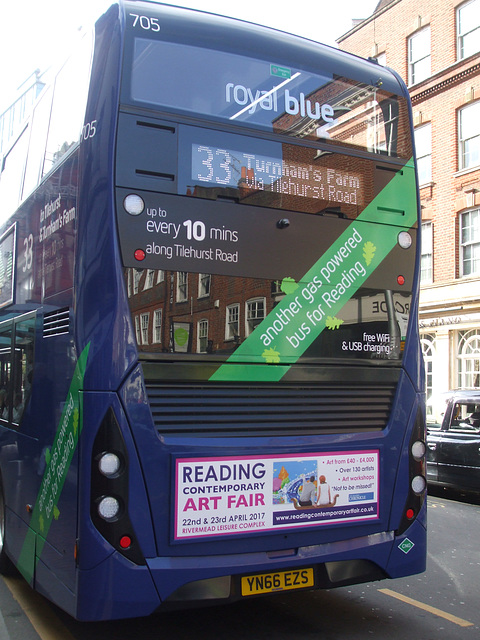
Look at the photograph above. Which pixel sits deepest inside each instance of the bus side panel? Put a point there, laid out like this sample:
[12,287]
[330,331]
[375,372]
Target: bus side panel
[16,534]
[409,557]
[45,239]
[48,584]
[115,589]
[99,281]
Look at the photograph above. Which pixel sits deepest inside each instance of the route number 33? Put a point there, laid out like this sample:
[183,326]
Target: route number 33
[28,253]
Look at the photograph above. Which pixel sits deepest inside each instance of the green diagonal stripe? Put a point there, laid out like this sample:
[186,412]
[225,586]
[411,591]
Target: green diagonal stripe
[333,280]
[58,461]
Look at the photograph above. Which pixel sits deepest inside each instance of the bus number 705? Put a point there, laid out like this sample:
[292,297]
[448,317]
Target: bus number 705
[149,24]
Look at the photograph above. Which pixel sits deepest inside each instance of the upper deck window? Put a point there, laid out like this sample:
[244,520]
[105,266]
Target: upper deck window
[270,95]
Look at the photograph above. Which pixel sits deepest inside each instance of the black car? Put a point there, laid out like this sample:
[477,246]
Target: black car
[453,441]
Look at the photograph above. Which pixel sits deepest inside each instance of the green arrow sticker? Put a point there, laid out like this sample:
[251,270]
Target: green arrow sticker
[313,304]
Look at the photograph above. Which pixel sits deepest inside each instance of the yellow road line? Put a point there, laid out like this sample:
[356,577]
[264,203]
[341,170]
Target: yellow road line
[426,607]
[42,617]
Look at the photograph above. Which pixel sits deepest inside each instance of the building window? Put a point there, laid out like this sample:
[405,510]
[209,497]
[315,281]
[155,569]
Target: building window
[469,359]
[469,136]
[232,322]
[426,265]
[419,56]
[468,29]
[182,286]
[202,336]
[149,279]
[157,326]
[160,276]
[144,320]
[255,314]
[423,151]
[204,280]
[428,348]
[470,243]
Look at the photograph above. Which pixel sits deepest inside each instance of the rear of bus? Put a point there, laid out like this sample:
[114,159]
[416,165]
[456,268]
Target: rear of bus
[266,203]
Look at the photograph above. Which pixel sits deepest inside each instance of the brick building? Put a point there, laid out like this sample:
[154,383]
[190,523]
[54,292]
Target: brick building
[435,46]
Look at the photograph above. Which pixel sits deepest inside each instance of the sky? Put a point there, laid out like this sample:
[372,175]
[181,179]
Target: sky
[37,36]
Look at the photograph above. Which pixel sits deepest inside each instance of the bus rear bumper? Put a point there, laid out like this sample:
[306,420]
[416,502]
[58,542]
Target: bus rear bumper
[166,583]
[183,581]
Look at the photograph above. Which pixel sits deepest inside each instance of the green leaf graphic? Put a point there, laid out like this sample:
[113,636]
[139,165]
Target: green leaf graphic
[333,323]
[288,285]
[48,456]
[369,252]
[271,356]
[56,512]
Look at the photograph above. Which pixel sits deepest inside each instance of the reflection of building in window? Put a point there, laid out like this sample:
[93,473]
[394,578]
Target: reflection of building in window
[216,322]
[219,323]
[204,284]
[144,321]
[149,279]
[138,334]
[255,314]
[137,274]
[182,286]
[157,326]
[202,336]
[232,324]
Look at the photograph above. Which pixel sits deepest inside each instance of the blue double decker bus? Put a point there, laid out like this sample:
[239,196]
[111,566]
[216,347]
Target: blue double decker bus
[211,385]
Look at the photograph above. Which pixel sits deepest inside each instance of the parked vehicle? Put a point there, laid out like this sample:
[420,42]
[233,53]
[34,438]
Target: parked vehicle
[453,441]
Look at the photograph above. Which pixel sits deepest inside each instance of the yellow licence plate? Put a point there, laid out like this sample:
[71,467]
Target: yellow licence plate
[279,581]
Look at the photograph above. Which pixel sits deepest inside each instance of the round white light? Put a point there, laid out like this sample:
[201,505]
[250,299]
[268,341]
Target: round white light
[109,464]
[108,508]
[418,484]
[418,450]
[133,204]
[404,239]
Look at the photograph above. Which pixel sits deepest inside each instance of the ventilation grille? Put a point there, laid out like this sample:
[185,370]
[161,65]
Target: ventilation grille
[56,323]
[284,409]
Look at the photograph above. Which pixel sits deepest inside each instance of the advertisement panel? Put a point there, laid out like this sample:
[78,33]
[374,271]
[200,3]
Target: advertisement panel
[236,495]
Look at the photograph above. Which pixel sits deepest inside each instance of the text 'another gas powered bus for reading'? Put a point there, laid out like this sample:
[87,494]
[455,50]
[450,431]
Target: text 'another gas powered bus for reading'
[210,372]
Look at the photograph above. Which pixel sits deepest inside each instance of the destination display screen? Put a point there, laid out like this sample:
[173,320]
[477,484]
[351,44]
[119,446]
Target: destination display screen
[252,171]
